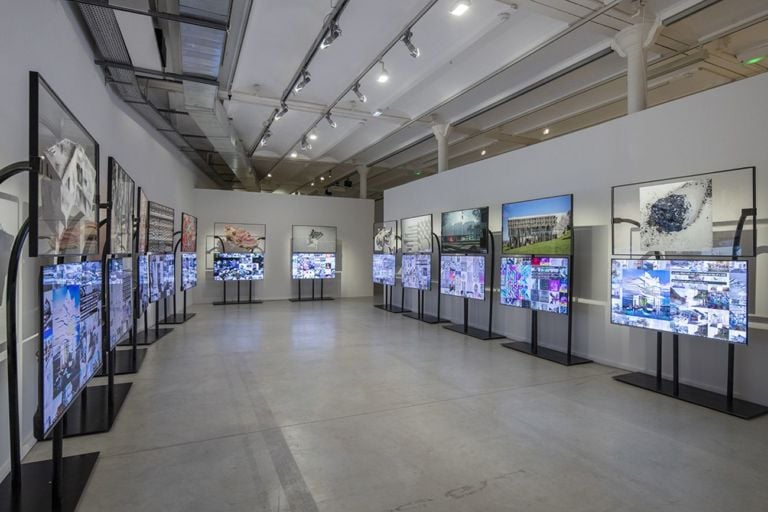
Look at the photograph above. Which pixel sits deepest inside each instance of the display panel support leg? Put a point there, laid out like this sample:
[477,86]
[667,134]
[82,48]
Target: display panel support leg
[659,348]
[676,365]
[729,384]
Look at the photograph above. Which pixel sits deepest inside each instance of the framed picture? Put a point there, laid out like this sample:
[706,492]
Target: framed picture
[539,226]
[64,182]
[385,237]
[143,209]
[465,231]
[320,239]
[160,230]
[234,237]
[120,196]
[188,233]
[416,233]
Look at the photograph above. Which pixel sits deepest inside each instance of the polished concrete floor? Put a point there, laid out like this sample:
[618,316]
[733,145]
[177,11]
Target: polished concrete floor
[340,407]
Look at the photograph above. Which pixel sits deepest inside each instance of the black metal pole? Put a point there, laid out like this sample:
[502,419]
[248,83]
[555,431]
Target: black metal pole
[658,359]
[466,315]
[298,284]
[146,325]
[238,291]
[534,332]
[570,307]
[224,298]
[250,291]
[157,320]
[58,469]
[731,357]
[313,289]
[322,282]
[490,304]
[402,297]
[12,355]
[675,365]
[184,305]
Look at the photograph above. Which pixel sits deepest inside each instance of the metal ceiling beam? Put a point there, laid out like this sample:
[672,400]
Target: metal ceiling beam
[189,20]
[202,79]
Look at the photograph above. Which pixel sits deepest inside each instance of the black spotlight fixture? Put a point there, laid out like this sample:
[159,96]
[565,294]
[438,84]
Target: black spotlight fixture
[304,79]
[412,49]
[265,137]
[362,97]
[283,110]
[334,31]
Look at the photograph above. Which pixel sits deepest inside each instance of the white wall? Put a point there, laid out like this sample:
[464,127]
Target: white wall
[720,129]
[353,218]
[44,36]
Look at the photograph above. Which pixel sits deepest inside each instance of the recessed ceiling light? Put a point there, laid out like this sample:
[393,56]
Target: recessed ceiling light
[460,7]
[383,74]
[312,136]
[483,152]
[294,154]
[312,184]
[545,131]
[269,175]
[322,178]
[377,113]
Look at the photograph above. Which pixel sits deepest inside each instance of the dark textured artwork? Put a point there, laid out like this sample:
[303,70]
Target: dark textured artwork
[160,232]
[676,217]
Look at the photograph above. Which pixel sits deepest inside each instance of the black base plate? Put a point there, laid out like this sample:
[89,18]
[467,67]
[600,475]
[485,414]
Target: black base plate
[89,414]
[309,299]
[427,319]
[176,319]
[149,337]
[236,302]
[390,308]
[35,495]
[715,401]
[124,362]
[480,334]
[547,353]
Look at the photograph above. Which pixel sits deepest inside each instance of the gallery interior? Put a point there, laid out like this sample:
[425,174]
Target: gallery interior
[380,256]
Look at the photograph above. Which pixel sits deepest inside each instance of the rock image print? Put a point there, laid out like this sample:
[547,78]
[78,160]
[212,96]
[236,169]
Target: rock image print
[677,217]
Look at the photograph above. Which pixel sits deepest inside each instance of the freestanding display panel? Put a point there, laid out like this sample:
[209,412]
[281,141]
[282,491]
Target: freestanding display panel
[678,222]
[313,257]
[237,267]
[417,241]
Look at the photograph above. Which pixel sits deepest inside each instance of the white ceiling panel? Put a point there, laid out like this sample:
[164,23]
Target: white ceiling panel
[139,35]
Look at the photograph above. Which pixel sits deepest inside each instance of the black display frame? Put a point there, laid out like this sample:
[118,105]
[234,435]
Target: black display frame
[39,421]
[313,278]
[681,255]
[394,268]
[431,233]
[183,237]
[503,254]
[109,343]
[36,81]
[217,255]
[172,288]
[703,338]
[168,248]
[113,167]
[139,219]
[415,255]
[335,245]
[484,257]
[484,243]
[375,232]
[219,238]
[529,256]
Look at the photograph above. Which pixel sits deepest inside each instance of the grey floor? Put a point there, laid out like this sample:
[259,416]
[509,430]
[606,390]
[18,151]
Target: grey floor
[339,407]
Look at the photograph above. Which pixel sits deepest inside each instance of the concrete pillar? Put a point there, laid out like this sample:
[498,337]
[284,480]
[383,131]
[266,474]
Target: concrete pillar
[363,170]
[632,43]
[441,131]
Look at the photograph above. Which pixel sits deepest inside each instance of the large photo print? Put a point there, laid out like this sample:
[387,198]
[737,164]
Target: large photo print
[540,226]
[121,197]
[314,239]
[465,231]
[240,237]
[385,237]
[416,234]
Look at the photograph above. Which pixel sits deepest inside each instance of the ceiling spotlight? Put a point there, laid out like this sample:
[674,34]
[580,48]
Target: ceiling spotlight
[483,152]
[294,154]
[312,136]
[460,7]
[312,184]
[265,138]
[305,145]
[330,120]
[414,51]
[322,178]
[545,131]
[304,79]
[362,97]
[383,74]
[377,113]
[334,31]
[269,175]
[283,110]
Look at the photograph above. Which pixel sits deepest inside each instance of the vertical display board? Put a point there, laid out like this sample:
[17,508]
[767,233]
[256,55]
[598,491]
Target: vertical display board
[539,283]
[160,228]
[417,271]
[465,231]
[168,276]
[384,269]
[313,239]
[64,183]
[188,271]
[463,276]
[689,216]
[416,233]
[240,237]
[313,266]
[70,340]
[120,196]
[385,237]
[120,299]
[155,276]
[142,283]
[188,233]
[238,266]
[143,210]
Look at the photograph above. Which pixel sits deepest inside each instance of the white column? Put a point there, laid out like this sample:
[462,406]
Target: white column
[632,43]
[363,170]
[441,131]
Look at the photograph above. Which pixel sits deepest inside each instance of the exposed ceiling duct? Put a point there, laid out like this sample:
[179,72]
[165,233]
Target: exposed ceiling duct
[121,76]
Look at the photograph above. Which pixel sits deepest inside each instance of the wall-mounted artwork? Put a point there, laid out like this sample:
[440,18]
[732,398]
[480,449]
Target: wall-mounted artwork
[539,226]
[188,233]
[465,231]
[240,237]
[160,229]
[121,191]
[385,237]
[416,233]
[676,216]
[143,222]
[314,239]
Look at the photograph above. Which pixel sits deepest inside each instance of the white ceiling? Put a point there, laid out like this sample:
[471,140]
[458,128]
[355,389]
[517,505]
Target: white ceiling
[476,71]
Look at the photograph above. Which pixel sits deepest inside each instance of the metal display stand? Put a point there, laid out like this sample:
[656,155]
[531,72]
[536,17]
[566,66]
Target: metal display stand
[565,358]
[54,484]
[239,301]
[151,336]
[481,334]
[419,314]
[312,297]
[388,306]
[175,318]
[726,404]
